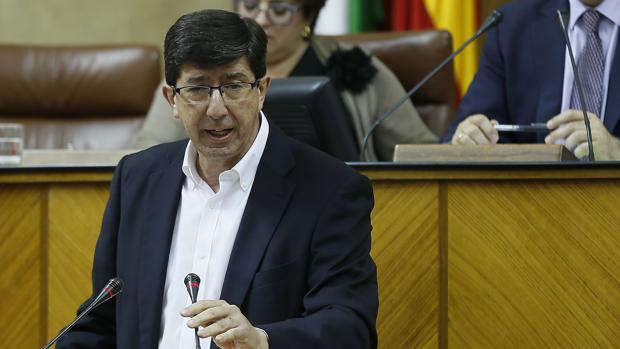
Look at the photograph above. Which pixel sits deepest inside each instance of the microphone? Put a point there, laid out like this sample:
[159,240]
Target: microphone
[192,283]
[563,18]
[492,20]
[109,291]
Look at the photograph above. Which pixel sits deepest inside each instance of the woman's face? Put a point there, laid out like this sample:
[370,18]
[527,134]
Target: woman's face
[282,20]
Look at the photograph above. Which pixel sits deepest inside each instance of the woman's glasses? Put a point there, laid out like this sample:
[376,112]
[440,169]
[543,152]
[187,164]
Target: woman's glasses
[277,12]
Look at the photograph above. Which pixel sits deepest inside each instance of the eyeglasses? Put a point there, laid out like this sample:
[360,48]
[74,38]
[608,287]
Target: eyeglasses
[278,13]
[201,95]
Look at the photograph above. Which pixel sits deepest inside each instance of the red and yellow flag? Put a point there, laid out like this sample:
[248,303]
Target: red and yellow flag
[459,17]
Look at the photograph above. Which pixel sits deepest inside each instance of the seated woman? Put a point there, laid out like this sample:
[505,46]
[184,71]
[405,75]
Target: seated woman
[367,87]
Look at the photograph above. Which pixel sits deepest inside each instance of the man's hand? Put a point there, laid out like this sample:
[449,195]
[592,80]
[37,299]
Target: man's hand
[476,129]
[225,323]
[570,126]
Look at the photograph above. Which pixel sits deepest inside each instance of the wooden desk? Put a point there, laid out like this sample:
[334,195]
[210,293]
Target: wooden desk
[496,256]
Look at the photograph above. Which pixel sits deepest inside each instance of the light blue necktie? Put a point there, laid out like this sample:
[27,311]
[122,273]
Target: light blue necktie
[590,66]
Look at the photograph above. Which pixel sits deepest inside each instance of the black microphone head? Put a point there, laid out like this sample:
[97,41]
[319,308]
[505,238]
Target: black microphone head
[109,291]
[192,283]
[492,20]
[114,286]
[497,16]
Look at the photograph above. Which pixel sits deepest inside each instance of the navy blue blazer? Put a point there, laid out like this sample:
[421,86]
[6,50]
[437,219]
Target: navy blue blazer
[300,267]
[521,73]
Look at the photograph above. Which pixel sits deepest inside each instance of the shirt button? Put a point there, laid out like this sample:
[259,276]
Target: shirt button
[212,205]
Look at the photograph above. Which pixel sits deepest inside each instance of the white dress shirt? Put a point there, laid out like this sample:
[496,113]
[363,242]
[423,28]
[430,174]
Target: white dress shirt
[204,233]
[608,32]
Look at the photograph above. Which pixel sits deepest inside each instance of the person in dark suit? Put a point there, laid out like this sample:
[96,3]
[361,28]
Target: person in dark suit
[525,77]
[278,232]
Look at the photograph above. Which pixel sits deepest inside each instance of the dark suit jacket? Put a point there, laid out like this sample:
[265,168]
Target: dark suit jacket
[300,266]
[521,73]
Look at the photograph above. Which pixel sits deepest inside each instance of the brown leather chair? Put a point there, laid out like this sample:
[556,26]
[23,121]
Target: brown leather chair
[82,97]
[411,55]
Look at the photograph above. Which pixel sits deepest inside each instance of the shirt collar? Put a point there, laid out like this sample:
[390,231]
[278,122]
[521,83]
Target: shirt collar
[245,169]
[608,8]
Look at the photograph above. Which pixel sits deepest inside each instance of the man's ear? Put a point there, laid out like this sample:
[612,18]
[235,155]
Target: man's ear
[169,96]
[263,87]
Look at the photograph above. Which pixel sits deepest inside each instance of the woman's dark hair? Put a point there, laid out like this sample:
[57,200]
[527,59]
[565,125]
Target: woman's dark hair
[211,38]
[312,8]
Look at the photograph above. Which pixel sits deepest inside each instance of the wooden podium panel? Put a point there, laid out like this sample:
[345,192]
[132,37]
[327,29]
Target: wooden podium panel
[481,256]
[534,265]
[75,211]
[21,278]
[406,255]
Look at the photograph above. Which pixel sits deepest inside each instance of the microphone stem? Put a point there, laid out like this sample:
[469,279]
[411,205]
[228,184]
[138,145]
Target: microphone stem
[582,98]
[70,326]
[412,91]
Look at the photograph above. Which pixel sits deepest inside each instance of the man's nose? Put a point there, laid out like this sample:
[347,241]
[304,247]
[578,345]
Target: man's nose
[217,107]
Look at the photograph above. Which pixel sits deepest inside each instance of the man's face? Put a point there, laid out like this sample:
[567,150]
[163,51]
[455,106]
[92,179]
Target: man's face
[222,129]
[591,3]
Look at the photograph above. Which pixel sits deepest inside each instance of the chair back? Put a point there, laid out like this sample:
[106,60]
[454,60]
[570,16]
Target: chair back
[81,97]
[411,55]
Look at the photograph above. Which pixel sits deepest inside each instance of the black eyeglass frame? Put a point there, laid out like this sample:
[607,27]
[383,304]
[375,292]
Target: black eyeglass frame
[253,85]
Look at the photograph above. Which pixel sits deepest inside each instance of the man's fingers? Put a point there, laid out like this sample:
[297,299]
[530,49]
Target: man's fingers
[219,326]
[562,132]
[581,151]
[565,117]
[476,133]
[575,139]
[228,337]
[201,306]
[476,129]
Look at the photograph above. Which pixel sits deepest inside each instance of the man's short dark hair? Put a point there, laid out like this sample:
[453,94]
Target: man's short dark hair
[211,38]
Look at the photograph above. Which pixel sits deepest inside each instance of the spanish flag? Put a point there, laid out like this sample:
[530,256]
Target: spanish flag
[459,17]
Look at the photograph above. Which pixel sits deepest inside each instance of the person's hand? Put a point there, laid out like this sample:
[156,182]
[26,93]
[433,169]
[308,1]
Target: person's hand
[225,323]
[476,129]
[569,125]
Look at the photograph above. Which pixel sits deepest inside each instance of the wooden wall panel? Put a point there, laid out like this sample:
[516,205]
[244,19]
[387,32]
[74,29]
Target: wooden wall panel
[20,274]
[533,265]
[405,249]
[75,220]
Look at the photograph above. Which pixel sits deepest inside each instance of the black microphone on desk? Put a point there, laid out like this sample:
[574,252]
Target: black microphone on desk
[109,291]
[492,20]
[192,283]
[563,18]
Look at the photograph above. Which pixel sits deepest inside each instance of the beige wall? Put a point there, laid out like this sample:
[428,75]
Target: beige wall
[105,21]
[93,21]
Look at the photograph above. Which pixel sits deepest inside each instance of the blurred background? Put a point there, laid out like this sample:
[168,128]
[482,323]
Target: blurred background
[146,21]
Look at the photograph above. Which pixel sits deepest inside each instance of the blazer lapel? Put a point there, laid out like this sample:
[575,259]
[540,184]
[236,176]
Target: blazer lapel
[612,109]
[270,195]
[162,195]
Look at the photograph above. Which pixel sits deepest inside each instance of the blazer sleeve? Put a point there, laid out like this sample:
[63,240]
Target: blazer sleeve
[487,92]
[97,330]
[342,302]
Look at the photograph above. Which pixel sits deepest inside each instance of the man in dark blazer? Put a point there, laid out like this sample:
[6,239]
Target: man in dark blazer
[521,80]
[299,273]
